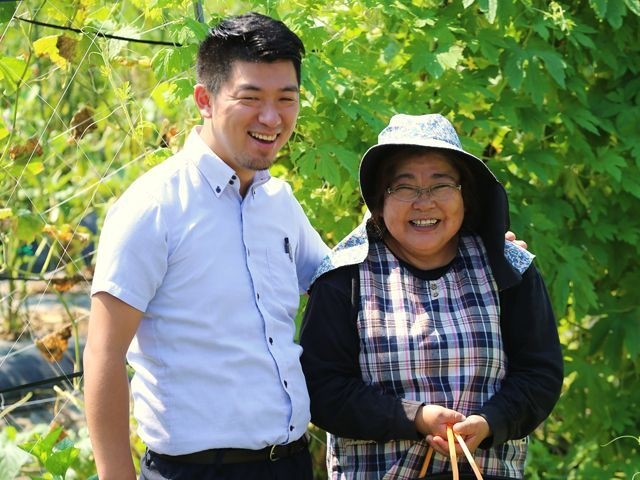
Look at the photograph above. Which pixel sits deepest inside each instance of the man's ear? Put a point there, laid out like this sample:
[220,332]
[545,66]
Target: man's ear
[203,98]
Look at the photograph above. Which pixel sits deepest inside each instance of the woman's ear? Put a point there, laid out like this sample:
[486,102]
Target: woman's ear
[376,227]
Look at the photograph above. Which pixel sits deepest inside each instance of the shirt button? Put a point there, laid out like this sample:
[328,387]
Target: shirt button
[291,428]
[270,341]
[285,384]
[258,296]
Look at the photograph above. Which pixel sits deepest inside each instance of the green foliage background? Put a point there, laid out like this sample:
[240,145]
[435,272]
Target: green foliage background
[547,92]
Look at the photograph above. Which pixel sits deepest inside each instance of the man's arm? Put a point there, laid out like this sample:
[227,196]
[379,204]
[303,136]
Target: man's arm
[112,325]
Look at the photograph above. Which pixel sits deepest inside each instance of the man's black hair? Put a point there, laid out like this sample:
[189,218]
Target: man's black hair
[251,37]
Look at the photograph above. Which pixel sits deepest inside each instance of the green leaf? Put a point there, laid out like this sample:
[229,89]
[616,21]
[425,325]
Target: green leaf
[633,6]
[631,327]
[610,163]
[542,163]
[157,156]
[62,457]
[631,184]
[306,163]
[29,226]
[115,46]
[554,64]
[582,39]
[513,69]
[7,11]
[12,458]
[58,10]
[173,61]
[490,46]
[11,71]
[34,168]
[490,7]
[160,3]
[612,349]
[426,61]
[41,446]
[55,455]
[540,27]
[451,58]
[585,119]
[577,273]
[615,14]
[196,29]
[349,160]
[599,333]
[325,164]
[599,7]
[534,82]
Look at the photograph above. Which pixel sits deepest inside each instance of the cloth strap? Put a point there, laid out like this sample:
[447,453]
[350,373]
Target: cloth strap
[451,438]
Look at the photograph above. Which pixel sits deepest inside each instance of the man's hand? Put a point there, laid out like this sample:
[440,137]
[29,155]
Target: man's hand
[512,238]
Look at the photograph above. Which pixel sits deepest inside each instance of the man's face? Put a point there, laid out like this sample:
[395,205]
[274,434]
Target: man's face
[253,115]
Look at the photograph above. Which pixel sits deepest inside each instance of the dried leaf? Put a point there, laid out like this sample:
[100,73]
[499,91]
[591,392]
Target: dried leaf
[53,345]
[81,123]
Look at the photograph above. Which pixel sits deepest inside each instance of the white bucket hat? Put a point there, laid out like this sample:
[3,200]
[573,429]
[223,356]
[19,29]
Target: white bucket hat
[432,131]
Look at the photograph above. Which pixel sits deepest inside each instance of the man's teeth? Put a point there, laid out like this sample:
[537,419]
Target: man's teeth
[265,138]
[425,223]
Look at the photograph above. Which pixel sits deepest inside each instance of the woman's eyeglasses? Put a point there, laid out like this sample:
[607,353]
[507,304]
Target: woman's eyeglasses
[410,193]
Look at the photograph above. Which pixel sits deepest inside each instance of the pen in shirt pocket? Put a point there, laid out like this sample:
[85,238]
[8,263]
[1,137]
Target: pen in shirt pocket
[287,248]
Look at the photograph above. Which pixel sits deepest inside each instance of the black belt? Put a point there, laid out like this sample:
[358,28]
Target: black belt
[239,455]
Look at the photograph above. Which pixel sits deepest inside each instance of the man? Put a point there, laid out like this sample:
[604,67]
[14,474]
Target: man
[197,282]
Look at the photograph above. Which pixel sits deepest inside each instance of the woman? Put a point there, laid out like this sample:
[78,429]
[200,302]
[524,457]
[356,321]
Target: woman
[425,318]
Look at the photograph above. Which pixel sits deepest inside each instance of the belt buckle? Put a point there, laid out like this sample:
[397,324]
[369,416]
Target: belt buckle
[272,454]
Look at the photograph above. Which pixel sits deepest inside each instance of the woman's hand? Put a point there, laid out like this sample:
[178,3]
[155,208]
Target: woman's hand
[474,429]
[432,421]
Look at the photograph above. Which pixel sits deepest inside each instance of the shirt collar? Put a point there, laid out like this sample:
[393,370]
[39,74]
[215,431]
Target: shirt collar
[218,174]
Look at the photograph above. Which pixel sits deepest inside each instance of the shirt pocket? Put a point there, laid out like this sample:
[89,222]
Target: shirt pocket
[283,278]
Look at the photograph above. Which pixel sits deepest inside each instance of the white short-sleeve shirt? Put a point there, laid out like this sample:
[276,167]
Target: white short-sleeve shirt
[218,278]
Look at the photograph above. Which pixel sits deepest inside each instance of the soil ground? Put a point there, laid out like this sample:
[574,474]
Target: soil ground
[27,357]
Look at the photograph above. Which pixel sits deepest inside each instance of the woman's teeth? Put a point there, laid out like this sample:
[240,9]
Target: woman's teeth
[424,223]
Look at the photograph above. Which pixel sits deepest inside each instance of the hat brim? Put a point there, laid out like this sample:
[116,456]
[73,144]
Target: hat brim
[370,166]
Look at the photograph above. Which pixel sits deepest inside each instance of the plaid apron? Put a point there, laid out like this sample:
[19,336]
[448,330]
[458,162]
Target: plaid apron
[437,342]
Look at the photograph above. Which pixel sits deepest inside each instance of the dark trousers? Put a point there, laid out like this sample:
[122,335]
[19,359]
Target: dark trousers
[296,467]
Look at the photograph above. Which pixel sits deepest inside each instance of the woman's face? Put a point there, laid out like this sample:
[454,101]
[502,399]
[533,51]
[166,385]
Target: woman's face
[424,231]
